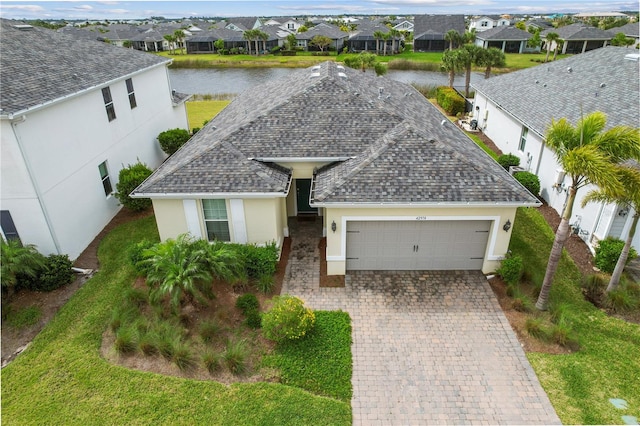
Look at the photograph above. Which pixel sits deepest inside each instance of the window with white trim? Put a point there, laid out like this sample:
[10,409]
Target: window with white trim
[108,103]
[523,139]
[215,220]
[484,24]
[131,93]
[104,176]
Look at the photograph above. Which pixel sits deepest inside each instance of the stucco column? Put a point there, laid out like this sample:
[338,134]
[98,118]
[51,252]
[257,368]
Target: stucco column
[521,47]
[584,46]
[504,45]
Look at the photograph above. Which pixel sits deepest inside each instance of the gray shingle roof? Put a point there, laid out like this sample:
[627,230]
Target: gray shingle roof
[549,91]
[434,27]
[504,33]
[632,29]
[33,71]
[328,30]
[578,32]
[379,139]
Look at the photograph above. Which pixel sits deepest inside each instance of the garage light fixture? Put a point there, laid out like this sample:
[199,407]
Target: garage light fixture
[507,226]
[333,226]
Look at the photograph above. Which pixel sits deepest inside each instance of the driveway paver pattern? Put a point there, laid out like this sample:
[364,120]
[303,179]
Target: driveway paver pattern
[428,347]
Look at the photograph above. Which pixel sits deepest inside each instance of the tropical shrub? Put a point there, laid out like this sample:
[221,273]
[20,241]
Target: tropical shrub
[247,302]
[128,179]
[171,140]
[56,273]
[18,261]
[608,252]
[508,160]
[529,181]
[288,319]
[450,100]
[137,258]
[511,269]
[259,261]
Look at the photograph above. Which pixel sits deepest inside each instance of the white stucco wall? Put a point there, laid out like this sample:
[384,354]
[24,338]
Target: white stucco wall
[65,142]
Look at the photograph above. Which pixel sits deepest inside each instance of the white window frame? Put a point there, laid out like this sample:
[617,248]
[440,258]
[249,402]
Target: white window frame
[108,103]
[105,179]
[523,139]
[131,93]
[217,220]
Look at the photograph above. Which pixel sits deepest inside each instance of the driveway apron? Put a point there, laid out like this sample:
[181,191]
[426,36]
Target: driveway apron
[428,347]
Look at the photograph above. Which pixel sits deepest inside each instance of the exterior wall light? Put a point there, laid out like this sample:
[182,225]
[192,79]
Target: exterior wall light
[507,226]
[333,226]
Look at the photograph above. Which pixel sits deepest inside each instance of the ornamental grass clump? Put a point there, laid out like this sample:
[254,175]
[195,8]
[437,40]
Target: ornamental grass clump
[288,319]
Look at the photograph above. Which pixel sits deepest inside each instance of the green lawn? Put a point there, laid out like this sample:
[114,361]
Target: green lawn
[199,111]
[62,379]
[580,385]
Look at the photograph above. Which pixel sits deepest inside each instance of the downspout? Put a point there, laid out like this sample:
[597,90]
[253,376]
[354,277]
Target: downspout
[34,182]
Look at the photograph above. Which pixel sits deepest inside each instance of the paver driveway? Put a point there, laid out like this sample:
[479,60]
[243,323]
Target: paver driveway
[428,347]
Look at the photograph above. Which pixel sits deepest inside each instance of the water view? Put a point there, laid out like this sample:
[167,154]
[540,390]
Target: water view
[237,80]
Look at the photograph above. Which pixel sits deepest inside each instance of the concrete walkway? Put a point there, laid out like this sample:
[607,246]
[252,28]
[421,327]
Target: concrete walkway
[428,347]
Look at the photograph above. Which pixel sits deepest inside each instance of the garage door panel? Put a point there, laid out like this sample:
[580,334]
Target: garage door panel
[409,245]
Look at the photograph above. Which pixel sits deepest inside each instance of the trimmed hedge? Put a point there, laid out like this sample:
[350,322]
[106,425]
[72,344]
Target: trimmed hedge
[171,140]
[450,100]
[508,160]
[55,273]
[128,179]
[608,252]
[529,181]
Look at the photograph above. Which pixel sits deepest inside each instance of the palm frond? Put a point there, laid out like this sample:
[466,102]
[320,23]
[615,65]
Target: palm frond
[561,137]
[588,128]
[594,165]
[620,143]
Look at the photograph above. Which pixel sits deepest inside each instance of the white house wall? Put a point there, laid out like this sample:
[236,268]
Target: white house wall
[66,142]
[505,131]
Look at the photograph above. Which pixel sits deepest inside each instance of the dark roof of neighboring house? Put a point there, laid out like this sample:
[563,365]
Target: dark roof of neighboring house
[35,72]
[244,23]
[79,33]
[388,147]
[328,30]
[578,32]
[434,27]
[504,33]
[150,36]
[367,33]
[569,88]
[632,29]
[540,23]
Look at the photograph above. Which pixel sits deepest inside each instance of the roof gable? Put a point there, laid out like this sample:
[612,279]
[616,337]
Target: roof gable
[504,33]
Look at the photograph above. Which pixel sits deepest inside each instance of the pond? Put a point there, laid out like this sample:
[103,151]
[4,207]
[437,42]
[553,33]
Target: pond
[236,80]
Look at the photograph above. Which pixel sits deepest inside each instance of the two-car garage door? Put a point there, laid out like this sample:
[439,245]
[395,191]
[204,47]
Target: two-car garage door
[416,245]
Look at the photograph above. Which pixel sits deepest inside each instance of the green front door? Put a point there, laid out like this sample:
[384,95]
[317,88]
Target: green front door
[303,190]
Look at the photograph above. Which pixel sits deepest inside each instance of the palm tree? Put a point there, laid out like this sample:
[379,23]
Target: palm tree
[179,35]
[469,36]
[385,37]
[378,36]
[549,38]
[17,259]
[176,267]
[629,197]
[393,33]
[559,41]
[261,35]
[249,35]
[171,40]
[491,57]
[453,37]
[473,54]
[452,61]
[588,155]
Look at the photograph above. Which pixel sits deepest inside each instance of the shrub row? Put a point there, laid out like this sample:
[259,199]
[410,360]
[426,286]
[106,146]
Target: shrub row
[55,273]
[450,100]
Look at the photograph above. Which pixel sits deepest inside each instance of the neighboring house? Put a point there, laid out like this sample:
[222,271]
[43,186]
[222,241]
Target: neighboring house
[485,23]
[541,24]
[429,31]
[337,36]
[69,124]
[363,40]
[398,186]
[578,38]
[242,24]
[403,25]
[286,23]
[630,30]
[507,39]
[516,110]
[150,41]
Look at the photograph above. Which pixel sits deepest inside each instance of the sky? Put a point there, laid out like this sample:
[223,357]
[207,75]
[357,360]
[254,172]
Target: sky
[122,10]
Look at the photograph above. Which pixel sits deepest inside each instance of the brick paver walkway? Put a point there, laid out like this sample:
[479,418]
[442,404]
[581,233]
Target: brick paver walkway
[428,347]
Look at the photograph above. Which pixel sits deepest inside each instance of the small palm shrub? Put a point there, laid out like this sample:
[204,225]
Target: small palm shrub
[235,355]
[608,252]
[209,330]
[529,181]
[508,160]
[128,179]
[211,360]
[171,140]
[288,319]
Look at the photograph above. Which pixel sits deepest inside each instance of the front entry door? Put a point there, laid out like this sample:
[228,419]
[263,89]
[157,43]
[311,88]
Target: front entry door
[303,190]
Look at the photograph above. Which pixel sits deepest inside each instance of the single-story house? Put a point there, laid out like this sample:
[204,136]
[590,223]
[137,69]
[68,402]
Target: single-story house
[429,31]
[396,185]
[516,109]
[630,30]
[336,35]
[579,38]
[507,39]
[363,40]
